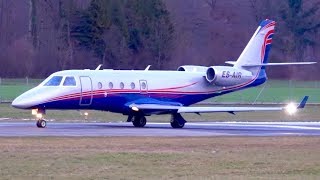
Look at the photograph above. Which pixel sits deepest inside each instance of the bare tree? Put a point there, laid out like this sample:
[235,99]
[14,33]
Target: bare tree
[65,13]
[255,9]
[1,19]
[33,26]
[212,5]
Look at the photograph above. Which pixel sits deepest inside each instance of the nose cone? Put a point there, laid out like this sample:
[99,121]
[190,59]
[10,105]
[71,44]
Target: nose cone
[27,100]
[21,103]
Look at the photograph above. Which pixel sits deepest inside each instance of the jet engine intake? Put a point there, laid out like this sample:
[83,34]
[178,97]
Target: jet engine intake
[227,76]
[191,68]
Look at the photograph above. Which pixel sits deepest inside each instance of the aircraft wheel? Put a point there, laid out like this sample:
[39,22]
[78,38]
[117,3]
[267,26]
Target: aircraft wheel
[41,123]
[176,124]
[139,121]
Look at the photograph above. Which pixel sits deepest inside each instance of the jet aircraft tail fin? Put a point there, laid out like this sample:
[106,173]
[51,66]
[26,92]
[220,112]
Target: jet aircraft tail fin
[254,57]
[257,50]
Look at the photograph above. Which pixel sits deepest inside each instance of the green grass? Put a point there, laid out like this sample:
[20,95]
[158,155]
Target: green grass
[274,91]
[160,158]
[275,95]
[9,92]
[11,88]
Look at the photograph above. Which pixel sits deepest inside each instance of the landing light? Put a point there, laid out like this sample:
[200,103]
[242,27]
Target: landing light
[39,116]
[86,114]
[134,108]
[34,111]
[291,108]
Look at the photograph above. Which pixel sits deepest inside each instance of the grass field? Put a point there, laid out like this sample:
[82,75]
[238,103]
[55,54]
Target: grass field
[160,158]
[273,91]
[11,88]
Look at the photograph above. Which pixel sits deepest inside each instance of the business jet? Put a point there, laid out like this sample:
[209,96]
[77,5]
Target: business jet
[141,93]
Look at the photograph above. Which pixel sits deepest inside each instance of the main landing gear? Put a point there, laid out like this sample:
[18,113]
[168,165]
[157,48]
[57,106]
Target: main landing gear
[177,121]
[41,123]
[139,121]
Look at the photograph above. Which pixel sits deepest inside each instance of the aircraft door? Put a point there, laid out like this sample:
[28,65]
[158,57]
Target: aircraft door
[143,86]
[86,91]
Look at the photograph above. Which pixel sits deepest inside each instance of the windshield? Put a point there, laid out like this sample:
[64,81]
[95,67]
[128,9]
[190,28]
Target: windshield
[69,81]
[54,81]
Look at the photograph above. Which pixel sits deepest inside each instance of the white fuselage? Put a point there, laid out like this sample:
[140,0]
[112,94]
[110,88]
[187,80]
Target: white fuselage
[111,90]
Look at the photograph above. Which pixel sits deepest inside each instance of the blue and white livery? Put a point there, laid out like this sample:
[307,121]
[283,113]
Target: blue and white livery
[146,92]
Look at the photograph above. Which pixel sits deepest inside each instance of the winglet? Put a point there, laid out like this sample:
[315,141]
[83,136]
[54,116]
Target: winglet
[303,102]
[147,68]
[98,68]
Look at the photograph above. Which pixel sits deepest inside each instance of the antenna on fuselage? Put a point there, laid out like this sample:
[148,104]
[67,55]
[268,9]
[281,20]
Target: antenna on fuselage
[98,68]
[147,68]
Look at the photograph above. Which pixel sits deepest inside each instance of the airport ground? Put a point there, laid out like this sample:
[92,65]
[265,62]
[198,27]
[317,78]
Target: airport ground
[160,158]
[217,157]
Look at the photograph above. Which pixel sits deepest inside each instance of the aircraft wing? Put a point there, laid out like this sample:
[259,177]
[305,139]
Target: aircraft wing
[226,109]
[229,109]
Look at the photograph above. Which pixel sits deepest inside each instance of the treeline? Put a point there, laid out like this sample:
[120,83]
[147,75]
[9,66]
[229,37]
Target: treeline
[115,33]
[38,37]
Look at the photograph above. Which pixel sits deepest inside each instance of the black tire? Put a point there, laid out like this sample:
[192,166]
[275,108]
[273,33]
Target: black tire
[38,124]
[41,123]
[139,121]
[176,124]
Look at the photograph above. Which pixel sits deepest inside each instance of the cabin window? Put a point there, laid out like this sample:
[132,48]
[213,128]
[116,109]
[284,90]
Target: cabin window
[132,85]
[143,85]
[69,81]
[99,85]
[110,85]
[54,81]
[121,85]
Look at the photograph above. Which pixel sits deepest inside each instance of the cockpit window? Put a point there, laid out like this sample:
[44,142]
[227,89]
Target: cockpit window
[54,81]
[69,81]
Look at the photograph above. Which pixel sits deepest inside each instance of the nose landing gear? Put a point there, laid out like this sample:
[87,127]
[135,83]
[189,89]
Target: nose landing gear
[41,123]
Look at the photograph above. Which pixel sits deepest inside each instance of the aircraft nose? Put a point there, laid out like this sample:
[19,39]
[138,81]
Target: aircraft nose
[20,103]
[17,103]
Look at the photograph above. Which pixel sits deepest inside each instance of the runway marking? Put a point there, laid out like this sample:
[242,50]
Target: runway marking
[250,125]
[191,129]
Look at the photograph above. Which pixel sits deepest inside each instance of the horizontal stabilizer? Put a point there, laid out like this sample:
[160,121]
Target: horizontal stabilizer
[272,64]
[231,62]
[278,64]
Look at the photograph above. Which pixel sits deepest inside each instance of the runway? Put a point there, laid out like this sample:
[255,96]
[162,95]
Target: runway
[22,129]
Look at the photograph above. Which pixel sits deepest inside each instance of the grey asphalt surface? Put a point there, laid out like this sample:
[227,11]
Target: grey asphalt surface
[21,129]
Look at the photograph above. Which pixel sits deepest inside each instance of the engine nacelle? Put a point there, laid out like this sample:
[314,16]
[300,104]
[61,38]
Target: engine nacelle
[227,76]
[190,68]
